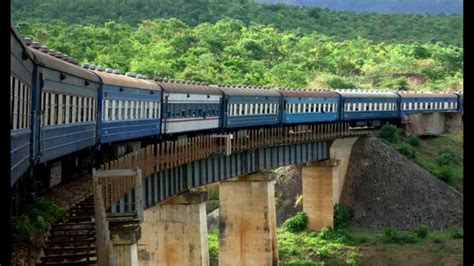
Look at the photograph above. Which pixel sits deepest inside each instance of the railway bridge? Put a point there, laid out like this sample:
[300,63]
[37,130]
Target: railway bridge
[155,207]
[151,204]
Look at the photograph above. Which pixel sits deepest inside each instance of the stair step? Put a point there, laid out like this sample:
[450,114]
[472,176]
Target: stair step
[68,250]
[91,262]
[67,227]
[72,237]
[78,257]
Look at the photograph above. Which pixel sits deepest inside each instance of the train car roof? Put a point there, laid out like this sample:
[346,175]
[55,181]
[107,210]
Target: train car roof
[52,62]
[126,81]
[366,94]
[426,95]
[308,93]
[17,35]
[248,91]
[182,86]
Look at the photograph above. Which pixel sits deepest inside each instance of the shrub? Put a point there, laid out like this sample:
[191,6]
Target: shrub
[213,243]
[415,141]
[337,82]
[438,239]
[407,150]
[456,232]
[36,220]
[342,216]
[390,133]
[422,231]
[446,174]
[393,236]
[297,223]
[446,158]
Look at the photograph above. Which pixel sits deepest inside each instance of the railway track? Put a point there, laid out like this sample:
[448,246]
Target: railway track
[73,240]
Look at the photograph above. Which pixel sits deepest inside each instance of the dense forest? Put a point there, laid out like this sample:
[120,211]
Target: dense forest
[388,28]
[388,6]
[230,51]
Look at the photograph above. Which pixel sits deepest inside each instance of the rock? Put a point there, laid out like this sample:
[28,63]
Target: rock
[213,219]
[288,189]
[383,188]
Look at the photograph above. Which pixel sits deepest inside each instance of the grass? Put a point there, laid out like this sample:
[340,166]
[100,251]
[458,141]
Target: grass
[428,156]
[442,155]
[357,247]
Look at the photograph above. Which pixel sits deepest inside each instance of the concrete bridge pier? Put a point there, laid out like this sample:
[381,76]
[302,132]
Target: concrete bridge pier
[323,182]
[247,220]
[175,232]
[124,236]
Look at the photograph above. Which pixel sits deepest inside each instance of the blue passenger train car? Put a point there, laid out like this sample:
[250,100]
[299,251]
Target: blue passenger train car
[250,106]
[427,102]
[21,83]
[309,106]
[66,97]
[189,106]
[368,107]
[129,107]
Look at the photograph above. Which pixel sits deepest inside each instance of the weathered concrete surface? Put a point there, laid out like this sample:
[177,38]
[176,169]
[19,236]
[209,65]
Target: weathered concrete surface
[247,221]
[432,123]
[323,182]
[124,238]
[383,188]
[340,150]
[318,195]
[175,232]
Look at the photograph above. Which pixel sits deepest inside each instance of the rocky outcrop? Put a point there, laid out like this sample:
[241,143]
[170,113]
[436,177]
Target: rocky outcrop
[383,188]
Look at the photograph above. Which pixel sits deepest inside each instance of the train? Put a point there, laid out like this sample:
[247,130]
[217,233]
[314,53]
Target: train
[63,113]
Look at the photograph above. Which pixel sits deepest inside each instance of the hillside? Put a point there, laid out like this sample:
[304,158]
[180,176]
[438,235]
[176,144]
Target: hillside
[385,6]
[231,52]
[389,28]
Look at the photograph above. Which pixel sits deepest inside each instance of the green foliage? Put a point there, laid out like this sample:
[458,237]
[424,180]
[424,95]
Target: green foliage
[446,174]
[447,158]
[36,220]
[456,232]
[315,248]
[296,223]
[399,84]
[336,82]
[234,52]
[422,231]
[377,27]
[342,216]
[393,236]
[407,150]
[390,133]
[415,141]
[213,244]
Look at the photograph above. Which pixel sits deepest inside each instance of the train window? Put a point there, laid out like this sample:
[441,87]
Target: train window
[137,110]
[83,109]
[113,107]
[61,109]
[428,106]
[52,109]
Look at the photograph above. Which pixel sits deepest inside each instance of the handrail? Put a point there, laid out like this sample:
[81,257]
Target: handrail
[105,256]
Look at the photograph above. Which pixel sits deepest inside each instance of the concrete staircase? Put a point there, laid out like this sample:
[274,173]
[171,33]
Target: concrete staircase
[73,240]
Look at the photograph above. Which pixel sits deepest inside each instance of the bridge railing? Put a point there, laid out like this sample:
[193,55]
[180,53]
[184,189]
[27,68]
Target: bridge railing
[105,255]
